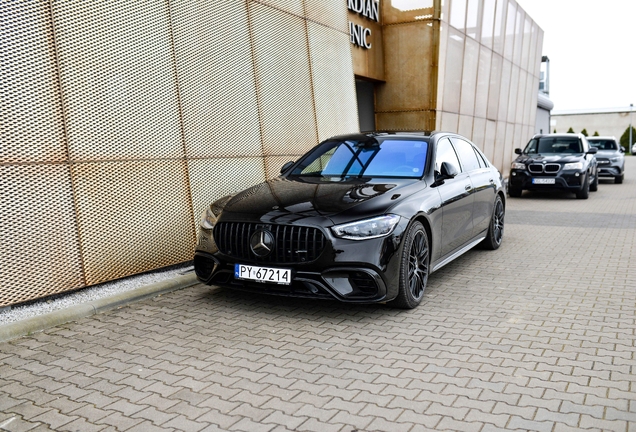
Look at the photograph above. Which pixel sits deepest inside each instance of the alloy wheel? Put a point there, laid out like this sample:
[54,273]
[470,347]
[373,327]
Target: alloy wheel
[418,265]
[498,221]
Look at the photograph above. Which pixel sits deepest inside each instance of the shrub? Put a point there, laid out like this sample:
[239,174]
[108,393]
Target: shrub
[570,130]
[625,138]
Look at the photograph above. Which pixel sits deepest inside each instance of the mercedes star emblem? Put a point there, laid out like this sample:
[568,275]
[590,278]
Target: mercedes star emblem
[262,243]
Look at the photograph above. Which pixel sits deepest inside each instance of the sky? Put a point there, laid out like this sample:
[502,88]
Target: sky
[592,51]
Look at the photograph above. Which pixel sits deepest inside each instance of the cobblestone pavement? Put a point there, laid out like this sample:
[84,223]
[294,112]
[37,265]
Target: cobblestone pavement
[538,335]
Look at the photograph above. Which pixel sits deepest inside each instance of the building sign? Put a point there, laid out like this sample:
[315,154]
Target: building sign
[358,34]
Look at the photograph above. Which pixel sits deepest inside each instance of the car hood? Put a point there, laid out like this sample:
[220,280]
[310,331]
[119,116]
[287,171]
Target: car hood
[550,158]
[608,153]
[310,201]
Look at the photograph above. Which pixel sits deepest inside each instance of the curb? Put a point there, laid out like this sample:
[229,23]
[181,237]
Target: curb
[38,323]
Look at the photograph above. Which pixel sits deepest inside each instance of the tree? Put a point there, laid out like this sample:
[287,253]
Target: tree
[570,130]
[584,132]
[596,133]
[625,139]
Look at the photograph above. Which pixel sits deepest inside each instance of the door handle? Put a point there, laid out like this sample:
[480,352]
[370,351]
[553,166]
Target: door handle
[492,181]
[468,187]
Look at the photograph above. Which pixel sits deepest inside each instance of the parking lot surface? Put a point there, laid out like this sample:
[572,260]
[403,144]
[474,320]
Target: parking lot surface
[538,335]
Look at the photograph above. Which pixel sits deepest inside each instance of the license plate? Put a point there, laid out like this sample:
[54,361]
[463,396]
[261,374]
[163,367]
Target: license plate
[543,181]
[262,274]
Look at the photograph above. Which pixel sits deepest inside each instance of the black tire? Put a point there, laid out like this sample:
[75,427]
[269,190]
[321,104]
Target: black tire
[584,192]
[514,192]
[594,185]
[496,229]
[414,268]
[619,179]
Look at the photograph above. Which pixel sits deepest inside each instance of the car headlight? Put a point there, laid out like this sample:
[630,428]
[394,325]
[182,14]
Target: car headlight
[212,213]
[208,219]
[616,159]
[518,165]
[367,228]
[573,166]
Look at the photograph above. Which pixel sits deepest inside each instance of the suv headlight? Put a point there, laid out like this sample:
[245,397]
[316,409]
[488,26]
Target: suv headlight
[367,228]
[573,166]
[616,159]
[518,165]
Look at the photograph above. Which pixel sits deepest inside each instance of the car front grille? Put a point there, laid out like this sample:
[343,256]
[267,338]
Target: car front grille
[551,168]
[602,161]
[292,244]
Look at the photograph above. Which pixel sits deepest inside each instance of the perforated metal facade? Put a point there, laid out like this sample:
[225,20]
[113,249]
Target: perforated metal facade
[121,121]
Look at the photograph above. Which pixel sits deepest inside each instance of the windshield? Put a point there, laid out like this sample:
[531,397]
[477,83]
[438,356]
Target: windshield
[556,145]
[388,158]
[603,144]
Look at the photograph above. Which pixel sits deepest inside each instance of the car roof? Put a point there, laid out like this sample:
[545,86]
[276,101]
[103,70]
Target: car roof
[371,136]
[602,138]
[557,135]
[401,134]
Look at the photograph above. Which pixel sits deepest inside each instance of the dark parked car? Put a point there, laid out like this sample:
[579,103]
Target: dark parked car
[610,157]
[555,161]
[360,218]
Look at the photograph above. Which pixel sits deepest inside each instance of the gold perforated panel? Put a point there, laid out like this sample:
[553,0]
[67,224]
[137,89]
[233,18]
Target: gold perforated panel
[332,13]
[330,63]
[409,121]
[211,179]
[121,121]
[216,78]
[118,79]
[134,216]
[283,81]
[31,127]
[40,250]
[291,6]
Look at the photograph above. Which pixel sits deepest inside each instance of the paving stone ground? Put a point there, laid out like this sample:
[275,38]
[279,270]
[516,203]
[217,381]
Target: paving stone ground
[539,335]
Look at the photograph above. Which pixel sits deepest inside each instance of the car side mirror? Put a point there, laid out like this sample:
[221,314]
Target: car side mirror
[286,166]
[621,149]
[446,171]
[592,150]
[518,151]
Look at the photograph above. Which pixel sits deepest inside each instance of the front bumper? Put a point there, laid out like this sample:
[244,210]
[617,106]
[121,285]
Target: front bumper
[567,180]
[610,170]
[350,271]
[348,284]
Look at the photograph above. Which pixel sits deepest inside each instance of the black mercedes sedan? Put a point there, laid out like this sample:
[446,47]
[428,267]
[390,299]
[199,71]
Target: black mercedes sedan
[360,218]
[555,161]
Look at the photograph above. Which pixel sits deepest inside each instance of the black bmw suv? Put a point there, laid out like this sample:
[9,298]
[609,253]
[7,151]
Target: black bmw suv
[555,161]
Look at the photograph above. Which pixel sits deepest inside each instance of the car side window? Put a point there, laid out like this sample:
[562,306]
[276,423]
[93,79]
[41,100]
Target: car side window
[531,148]
[466,154]
[483,162]
[446,153]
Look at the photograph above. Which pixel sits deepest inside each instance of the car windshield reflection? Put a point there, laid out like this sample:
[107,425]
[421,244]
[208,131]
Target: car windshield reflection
[554,145]
[344,159]
[603,144]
